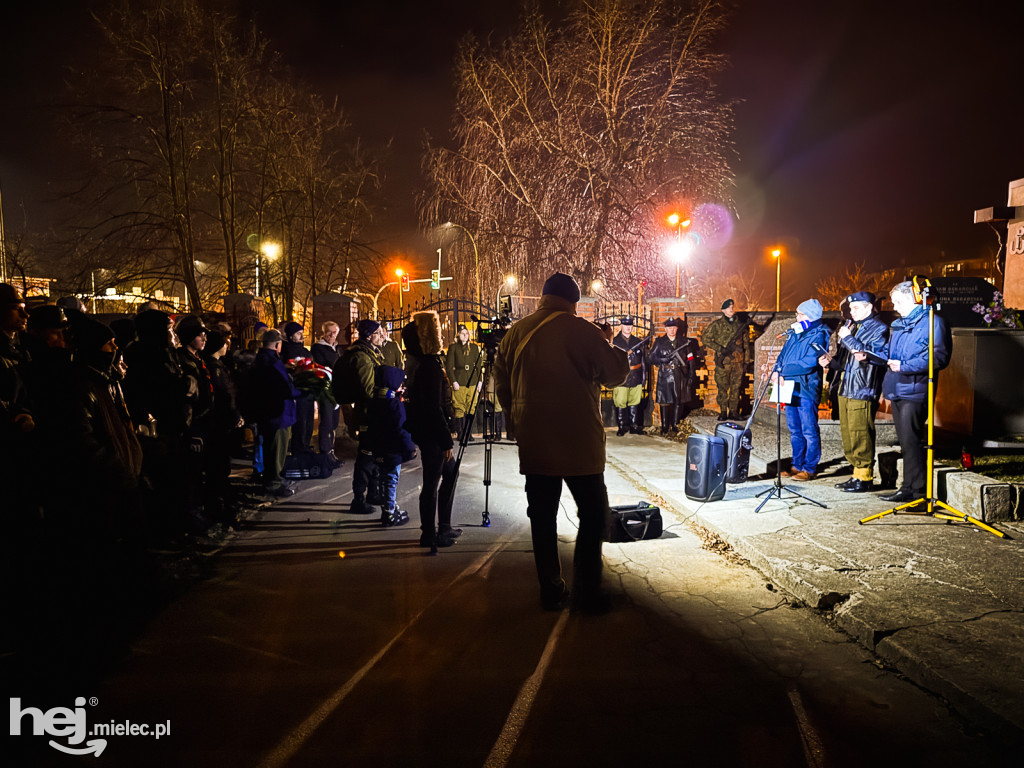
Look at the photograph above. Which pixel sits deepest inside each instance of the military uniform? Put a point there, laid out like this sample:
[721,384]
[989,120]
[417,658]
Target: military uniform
[627,396]
[729,339]
[464,366]
[676,375]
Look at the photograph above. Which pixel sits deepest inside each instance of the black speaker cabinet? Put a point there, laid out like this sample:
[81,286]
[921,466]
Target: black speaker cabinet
[737,451]
[705,467]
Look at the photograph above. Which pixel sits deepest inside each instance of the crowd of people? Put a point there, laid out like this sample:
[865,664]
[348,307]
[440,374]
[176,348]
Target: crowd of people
[120,437]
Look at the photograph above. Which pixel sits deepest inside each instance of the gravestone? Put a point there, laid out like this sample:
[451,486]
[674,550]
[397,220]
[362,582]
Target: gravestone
[958,295]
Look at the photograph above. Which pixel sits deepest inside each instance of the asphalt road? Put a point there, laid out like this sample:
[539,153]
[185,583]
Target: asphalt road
[291,655]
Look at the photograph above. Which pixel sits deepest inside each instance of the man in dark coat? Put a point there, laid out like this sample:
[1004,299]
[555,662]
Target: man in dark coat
[353,382]
[275,394]
[293,349]
[906,384]
[627,396]
[325,353]
[673,354]
[860,383]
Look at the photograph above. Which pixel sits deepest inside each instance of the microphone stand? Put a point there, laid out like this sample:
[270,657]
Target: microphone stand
[776,489]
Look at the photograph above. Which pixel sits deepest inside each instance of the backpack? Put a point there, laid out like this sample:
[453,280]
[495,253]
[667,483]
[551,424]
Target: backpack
[345,382]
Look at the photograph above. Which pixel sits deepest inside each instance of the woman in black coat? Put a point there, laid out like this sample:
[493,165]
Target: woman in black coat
[429,399]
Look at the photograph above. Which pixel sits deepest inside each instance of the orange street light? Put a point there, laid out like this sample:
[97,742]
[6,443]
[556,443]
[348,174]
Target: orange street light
[777,253]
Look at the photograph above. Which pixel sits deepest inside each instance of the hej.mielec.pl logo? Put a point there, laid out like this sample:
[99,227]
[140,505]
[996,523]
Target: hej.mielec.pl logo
[63,722]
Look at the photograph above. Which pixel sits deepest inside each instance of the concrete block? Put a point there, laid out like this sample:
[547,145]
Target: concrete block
[980,497]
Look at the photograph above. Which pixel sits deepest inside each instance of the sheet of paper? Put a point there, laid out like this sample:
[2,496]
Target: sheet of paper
[786,391]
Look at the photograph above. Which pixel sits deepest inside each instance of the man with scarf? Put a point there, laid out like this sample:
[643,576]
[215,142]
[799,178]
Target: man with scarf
[798,364]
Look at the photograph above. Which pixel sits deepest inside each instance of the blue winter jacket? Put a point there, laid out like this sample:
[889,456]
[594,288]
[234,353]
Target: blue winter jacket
[798,360]
[274,390]
[908,343]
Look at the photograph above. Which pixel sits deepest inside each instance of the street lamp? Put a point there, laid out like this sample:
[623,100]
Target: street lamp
[267,248]
[401,287]
[476,255]
[681,248]
[510,281]
[777,253]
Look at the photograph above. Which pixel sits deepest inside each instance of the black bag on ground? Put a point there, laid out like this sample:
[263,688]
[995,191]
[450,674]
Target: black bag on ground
[634,522]
[305,466]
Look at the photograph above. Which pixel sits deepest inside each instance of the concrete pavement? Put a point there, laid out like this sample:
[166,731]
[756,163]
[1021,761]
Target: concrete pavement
[942,603]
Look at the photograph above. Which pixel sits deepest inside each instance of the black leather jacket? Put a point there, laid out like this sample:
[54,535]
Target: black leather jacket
[862,380]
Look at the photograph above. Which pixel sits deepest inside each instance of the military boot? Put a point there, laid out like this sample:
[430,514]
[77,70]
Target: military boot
[635,425]
[620,419]
[665,412]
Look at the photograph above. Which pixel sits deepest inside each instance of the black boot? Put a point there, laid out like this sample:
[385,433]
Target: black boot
[665,412]
[457,426]
[635,425]
[620,418]
[673,417]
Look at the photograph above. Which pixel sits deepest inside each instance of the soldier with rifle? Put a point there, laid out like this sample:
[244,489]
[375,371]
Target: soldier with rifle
[673,354]
[627,396]
[729,338]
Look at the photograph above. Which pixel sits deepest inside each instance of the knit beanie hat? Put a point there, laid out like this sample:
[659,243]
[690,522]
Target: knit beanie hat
[563,286]
[214,341]
[367,328]
[91,334]
[188,328]
[811,308]
[152,324]
[291,328]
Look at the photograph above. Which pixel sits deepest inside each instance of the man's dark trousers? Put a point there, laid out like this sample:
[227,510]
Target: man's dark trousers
[591,496]
[911,418]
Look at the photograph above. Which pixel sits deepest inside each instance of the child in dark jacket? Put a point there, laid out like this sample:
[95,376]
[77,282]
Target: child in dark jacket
[390,443]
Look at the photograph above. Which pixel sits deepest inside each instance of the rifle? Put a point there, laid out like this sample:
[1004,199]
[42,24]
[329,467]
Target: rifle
[728,348]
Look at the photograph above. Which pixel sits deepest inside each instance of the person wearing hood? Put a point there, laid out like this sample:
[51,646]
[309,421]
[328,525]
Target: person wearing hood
[429,398]
[798,363]
[548,372]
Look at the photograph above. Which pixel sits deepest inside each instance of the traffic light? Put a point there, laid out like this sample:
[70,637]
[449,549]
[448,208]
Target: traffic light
[435,279]
[405,282]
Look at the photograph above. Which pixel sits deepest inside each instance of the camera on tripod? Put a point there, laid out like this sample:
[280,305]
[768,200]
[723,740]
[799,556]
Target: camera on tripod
[489,333]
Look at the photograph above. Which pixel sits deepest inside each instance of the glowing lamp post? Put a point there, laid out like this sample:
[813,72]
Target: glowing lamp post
[777,253]
[476,256]
[270,250]
[510,281]
[682,247]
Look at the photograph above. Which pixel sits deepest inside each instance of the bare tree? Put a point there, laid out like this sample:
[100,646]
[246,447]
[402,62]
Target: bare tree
[834,289]
[571,141]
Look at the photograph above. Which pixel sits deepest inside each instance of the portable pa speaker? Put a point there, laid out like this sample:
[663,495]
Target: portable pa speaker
[737,451]
[705,467]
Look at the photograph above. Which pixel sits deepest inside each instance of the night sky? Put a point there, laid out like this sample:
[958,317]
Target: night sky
[865,131]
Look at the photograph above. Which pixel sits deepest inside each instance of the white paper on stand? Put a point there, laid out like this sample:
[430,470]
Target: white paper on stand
[786,390]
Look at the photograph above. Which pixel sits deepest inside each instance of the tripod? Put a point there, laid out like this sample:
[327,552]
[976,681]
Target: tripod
[776,489]
[489,434]
[932,506]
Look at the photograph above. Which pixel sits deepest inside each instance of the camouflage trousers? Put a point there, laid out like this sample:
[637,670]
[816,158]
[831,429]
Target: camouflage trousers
[730,377]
